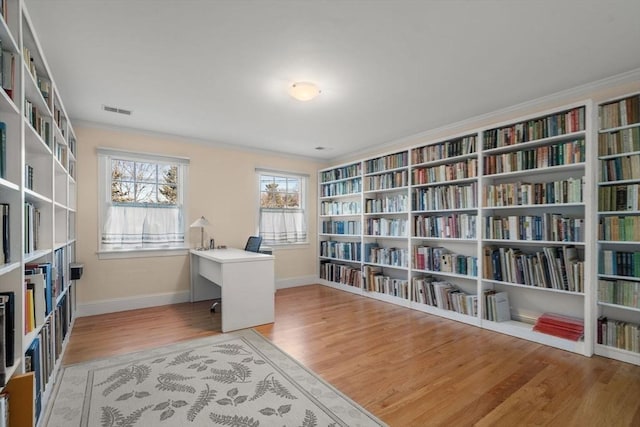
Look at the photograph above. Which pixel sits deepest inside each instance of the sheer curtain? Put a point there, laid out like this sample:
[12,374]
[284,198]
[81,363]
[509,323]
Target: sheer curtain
[281,226]
[142,227]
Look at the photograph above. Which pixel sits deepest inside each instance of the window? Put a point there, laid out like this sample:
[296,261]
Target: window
[283,218]
[141,201]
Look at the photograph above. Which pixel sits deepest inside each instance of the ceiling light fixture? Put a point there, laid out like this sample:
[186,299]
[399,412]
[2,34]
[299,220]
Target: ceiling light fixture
[304,91]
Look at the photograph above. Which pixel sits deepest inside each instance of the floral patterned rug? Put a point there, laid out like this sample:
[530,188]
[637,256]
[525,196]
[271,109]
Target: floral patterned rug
[236,379]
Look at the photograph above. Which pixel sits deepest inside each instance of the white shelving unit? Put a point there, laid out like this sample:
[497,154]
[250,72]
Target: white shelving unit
[448,208]
[38,188]
[617,291]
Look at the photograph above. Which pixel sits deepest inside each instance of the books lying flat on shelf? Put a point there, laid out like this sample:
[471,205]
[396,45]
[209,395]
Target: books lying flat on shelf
[560,326]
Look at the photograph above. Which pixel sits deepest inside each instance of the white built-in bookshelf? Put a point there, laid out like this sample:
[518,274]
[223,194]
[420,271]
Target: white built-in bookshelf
[617,292]
[465,226]
[38,201]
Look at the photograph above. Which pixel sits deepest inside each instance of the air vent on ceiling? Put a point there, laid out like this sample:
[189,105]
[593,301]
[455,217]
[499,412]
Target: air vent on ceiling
[116,110]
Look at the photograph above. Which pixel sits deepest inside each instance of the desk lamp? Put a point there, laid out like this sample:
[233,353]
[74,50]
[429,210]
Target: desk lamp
[200,223]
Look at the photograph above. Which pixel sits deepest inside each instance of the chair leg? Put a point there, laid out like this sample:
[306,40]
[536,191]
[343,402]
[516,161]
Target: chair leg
[216,303]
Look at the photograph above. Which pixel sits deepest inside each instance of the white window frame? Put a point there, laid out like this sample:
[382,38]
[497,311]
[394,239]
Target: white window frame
[304,190]
[105,155]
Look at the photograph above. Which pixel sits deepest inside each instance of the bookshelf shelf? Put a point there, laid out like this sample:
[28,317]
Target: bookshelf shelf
[544,206]
[447,183]
[537,288]
[619,306]
[536,172]
[445,274]
[35,190]
[386,190]
[532,242]
[619,128]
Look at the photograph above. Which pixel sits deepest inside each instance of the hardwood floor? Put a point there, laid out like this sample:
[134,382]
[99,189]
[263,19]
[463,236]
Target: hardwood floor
[406,367]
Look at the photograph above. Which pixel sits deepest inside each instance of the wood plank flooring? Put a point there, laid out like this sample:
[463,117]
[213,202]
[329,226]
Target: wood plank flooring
[406,367]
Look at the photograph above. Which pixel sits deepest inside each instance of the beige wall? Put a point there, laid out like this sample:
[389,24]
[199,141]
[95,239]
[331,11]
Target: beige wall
[222,187]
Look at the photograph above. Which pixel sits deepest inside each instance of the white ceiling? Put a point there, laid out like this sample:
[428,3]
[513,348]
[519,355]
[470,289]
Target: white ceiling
[219,70]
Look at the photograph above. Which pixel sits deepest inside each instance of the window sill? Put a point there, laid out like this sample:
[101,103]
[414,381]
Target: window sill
[286,246]
[141,253]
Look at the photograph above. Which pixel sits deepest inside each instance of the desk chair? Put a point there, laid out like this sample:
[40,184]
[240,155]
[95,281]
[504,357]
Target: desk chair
[253,245]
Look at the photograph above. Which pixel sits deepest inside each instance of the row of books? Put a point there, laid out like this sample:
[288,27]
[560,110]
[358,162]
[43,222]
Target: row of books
[619,142]
[40,292]
[8,68]
[375,281]
[341,188]
[619,228]
[387,180]
[446,172]
[46,348]
[387,204]
[397,257]
[446,197]
[7,334]
[522,193]
[341,227]
[560,326]
[440,259]
[619,263]
[619,334]
[340,208]
[28,176]
[339,273]
[620,168]
[620,113]
[349,251]
[38,122]
[343,172]
[531,130]
[391,161]
[619,198]
[61,153]
[61,121]
[552,268]
[5,242]
[619,292]
[3,150]
[31,227]
[443,295]
[496,306]
[453,226]
[545,227]
[563,153]
[396,227]
[444,150]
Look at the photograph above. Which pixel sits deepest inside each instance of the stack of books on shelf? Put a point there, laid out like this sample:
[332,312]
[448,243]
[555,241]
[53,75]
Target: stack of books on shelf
[560,326]
[8,69]
[376,281]
[553,268]
[497,307]
[443,295]
[341,274]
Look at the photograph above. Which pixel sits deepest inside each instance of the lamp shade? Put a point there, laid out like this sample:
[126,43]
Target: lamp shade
[200,222]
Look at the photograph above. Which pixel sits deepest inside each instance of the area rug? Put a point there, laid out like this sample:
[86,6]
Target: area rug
[235,379]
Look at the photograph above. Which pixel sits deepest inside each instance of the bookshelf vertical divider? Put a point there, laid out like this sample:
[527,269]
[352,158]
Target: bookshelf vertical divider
[532,177]
[38,205]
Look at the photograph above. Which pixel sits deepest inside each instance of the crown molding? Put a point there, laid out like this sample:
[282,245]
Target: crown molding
[582,91]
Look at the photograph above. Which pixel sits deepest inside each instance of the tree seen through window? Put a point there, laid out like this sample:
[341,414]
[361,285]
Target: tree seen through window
[143,182]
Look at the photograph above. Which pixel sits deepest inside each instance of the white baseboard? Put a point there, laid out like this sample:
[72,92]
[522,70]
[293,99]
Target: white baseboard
[296,281]
[131,303]
[144,301]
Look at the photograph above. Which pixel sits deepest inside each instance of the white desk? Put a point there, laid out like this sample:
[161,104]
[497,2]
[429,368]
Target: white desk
[245,282]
